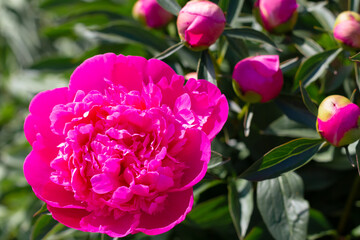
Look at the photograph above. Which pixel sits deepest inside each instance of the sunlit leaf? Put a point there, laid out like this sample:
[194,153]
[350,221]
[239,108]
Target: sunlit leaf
[312,68]
[283,207]
[240,195]
[283,158]
[206,68]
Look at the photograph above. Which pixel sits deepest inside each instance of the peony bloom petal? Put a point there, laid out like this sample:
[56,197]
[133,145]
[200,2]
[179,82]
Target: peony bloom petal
[176,206]
[37,172]
[91,74]
[70,217]
[196,155]
[37,124]
[120,226]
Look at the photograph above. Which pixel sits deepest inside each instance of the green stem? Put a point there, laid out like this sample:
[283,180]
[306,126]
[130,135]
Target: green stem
[357,75]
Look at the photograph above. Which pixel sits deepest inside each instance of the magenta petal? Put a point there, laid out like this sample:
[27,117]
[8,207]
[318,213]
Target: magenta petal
[91,74]
[70,217]
[118,226]
[176,206]
[38,121]
[196,155]
[157,70]
[37,172]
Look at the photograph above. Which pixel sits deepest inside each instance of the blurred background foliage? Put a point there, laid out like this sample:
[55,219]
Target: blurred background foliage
[42,42]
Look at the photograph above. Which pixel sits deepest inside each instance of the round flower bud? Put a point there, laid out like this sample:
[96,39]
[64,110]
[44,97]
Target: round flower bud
[338,120]
[347,29]
[258,79]
[276,16]
[200,23]
[151,13]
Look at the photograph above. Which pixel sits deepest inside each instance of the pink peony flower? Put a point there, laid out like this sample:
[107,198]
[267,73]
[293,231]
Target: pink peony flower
[151,13]
[258,79]
[119,150]
[200,23]
[338,120]
[276,16]
[347,29]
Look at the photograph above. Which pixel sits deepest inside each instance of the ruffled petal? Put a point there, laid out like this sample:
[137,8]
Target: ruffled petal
[176,206]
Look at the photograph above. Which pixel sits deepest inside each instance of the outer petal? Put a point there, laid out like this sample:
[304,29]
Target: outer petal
[37,124]
[91,73]
[114,227]
[176,206]
[196,155]
[37,172]
[69,216]
[157,70]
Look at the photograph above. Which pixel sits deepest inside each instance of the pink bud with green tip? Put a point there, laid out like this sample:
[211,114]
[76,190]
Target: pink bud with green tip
[347,29]
[338,120]
[151,13]
[276,16]
[258,79]
[200,23]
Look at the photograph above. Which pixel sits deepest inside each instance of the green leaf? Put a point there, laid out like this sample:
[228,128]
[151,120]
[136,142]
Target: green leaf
[354,5]
[234,10]
[240,196]
[170,5]
[41,210]
[237,46]
[282,206]
[307,46]
[55,64]
[124,32]
[42,226]
[310,105]
[312,68]
[206,68]
[216,160]
[283,158]
[294,108]
[171,50]
[213,212]
[285,127]
[249,34]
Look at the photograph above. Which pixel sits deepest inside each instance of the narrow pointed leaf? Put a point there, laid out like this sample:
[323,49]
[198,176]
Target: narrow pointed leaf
[171,50]
[216,160]
[312,68]
[248,34]
[283,158]
[170,5]
[240,196]
[206,68]
[310,105]
[234,9]
[283,207]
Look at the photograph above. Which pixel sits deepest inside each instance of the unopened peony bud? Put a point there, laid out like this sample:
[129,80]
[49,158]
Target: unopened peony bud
[347,29]
[151,13]
[276,16]
[258,79]
[338,120]
[200,23]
